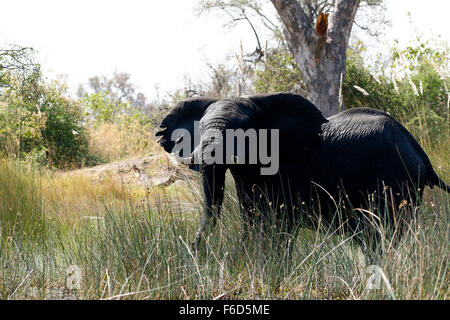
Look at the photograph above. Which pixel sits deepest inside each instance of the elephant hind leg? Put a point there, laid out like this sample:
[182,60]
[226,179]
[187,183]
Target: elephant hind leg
[391,212]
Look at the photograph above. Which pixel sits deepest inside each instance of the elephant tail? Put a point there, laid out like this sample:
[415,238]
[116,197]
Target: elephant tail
[432,179]
[436,181]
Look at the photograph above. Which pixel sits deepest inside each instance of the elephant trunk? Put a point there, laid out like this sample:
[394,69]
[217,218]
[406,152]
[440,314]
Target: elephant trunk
[209,153]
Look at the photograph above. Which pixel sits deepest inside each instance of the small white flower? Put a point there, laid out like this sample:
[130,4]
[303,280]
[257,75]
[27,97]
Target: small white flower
[74,132]
[364,92]
[375,77]
[413,86]
[395,83]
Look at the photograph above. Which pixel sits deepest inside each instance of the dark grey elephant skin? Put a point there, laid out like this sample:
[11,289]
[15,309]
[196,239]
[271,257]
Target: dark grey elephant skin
[360,151]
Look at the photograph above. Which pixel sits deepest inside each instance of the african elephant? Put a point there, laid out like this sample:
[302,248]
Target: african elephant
[356,153]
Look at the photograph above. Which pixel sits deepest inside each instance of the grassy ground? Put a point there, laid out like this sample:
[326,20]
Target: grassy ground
[65,236]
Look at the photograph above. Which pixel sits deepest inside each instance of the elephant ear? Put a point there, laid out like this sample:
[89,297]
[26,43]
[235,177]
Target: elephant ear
[298,120]
[182,116]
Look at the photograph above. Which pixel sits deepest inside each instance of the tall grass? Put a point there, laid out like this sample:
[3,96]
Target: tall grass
[131,248]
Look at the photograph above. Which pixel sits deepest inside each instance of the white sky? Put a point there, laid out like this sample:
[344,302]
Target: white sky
[157,42]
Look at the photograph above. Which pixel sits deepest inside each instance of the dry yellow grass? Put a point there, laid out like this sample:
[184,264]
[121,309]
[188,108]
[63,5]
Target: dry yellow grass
[110,141]
[71,195]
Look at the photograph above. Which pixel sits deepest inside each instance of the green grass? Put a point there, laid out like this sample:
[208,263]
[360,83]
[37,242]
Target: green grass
[140,250]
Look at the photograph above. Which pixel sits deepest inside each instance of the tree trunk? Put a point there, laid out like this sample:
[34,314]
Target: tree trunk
[319,53]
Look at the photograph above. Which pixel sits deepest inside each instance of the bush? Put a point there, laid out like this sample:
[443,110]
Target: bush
[117,128]
[280,73]
[417,96]
[39,122]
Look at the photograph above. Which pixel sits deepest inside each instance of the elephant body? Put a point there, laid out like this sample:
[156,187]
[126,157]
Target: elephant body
[361,156]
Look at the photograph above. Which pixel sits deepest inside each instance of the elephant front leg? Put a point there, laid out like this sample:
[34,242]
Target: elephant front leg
[207,223]
[213,190]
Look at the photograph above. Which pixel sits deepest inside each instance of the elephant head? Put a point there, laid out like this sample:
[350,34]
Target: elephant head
[296,121]
[179,123]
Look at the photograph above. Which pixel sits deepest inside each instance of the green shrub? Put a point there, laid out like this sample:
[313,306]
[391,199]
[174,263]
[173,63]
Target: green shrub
[117,128]
[279,73]
[39,122]
[417,96]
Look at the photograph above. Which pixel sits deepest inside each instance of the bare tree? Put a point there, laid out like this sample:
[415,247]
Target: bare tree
[253,13]
[320,52]
[21,62]
[117,87]
[316,32]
